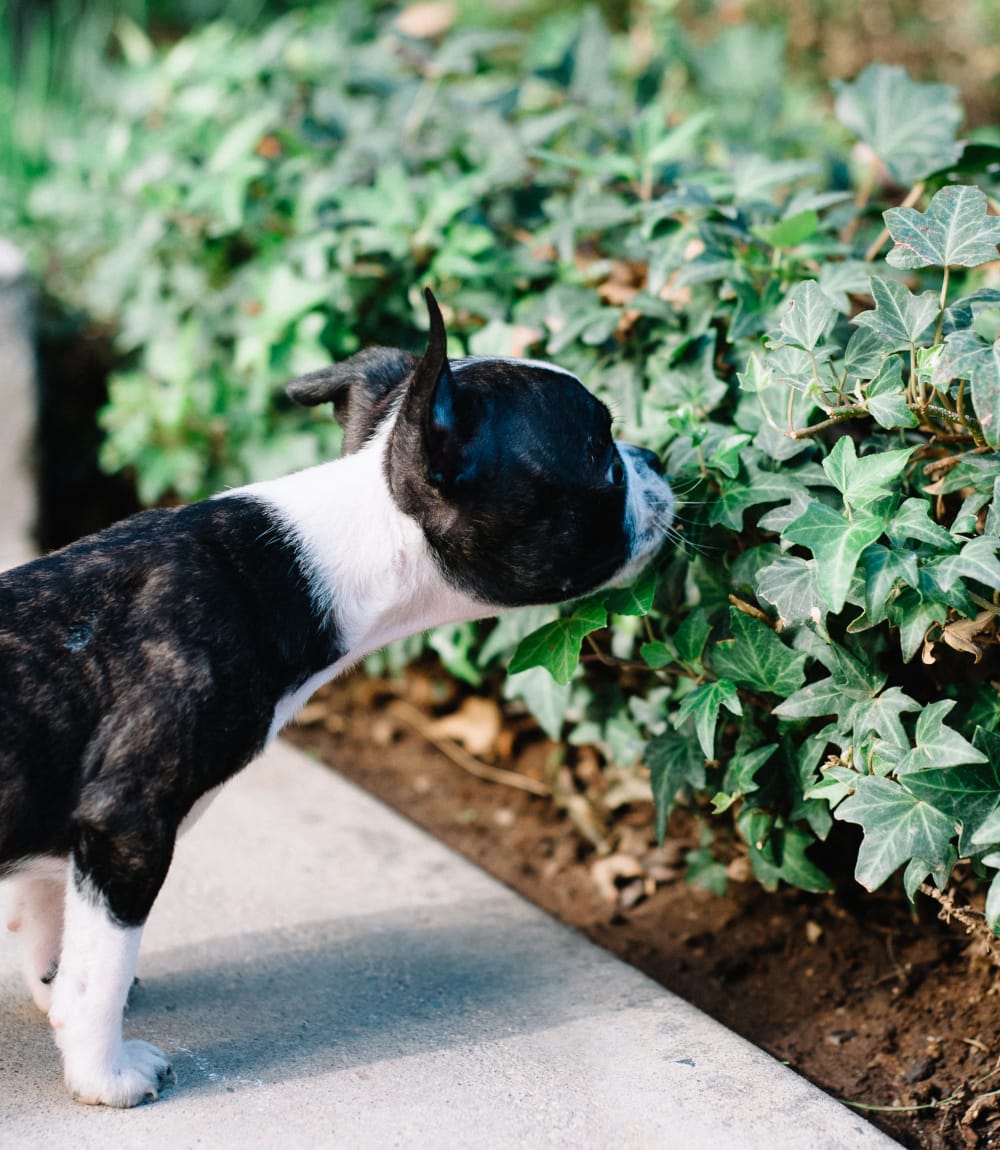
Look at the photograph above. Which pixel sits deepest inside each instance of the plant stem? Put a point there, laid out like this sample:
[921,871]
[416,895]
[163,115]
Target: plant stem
[944,304]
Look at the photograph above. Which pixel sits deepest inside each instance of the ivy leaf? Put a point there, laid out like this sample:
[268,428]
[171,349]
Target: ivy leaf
[789,232]
[813,700]
[883,570]
[740,772]
[936,745]
[705,703]
[988,832]
[865,353]
[836,544]
[913,521]
[976,560]
[885,396]
[789,585]
[759,487]
[898,826]
[656,655]
[756,658]
[881,714]
[955,231]
[970,794]
[910,126]
[807,316]
[674,760]
[636,599]
[899,316]
[691,636]
[546,699]
[862,481]
[913,613]
[556,646]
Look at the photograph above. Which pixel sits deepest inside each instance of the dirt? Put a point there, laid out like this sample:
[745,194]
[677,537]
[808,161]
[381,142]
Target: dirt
[884,1006]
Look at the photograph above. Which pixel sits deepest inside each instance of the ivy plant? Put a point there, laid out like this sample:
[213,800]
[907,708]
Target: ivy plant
[797,308]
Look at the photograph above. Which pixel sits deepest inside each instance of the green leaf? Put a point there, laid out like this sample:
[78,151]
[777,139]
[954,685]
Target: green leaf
[914,614]
[808,315]
[742,767]
[836,543]
[813,700]
[636,599]
[865,354]
[556,646]
[898,826]
[884,570]
[691,636]
[899,318]
[674,760]
[936,745]
[881,715]
[913,521]
[789,585]
[656,655]
[862,481]
[738,495]
[546,699]
[955,231]
[910,126]
[976,560]
[784,859]
[756,658]
[789,232]
[885,396]
[705,703]
[970,794]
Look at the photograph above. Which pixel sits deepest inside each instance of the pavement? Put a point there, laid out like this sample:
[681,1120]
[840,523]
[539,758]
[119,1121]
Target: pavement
[324,974]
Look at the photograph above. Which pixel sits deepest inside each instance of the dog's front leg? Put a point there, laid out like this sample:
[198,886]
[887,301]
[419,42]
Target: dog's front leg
[96,970]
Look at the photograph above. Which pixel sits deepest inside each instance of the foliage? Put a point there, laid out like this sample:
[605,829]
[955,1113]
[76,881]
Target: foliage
[704,245]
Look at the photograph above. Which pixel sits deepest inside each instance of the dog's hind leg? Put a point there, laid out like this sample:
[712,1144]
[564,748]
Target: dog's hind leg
[36,913]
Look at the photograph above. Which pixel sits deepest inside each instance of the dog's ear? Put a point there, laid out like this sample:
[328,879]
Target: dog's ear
[376,370]
[360,389]
[442,409]
[324,386]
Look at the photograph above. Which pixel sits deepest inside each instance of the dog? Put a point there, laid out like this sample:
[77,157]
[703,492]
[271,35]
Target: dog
[143,666]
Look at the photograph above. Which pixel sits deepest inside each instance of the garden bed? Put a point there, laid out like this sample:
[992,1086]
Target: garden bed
[882,1006]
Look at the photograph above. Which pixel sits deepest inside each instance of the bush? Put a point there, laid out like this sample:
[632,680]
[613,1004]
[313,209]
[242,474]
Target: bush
[703,244]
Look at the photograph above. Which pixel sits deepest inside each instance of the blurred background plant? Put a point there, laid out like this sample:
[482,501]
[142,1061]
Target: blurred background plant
[670,199]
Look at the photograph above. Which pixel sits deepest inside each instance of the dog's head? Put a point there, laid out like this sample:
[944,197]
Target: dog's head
[508,465]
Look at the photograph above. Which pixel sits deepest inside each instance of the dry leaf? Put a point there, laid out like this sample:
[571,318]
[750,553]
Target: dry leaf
[959,635]
[427,20]
[476,725]
[612,873]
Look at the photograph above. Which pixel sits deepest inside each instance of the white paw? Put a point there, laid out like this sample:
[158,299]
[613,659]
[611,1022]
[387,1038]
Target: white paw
[137,1075]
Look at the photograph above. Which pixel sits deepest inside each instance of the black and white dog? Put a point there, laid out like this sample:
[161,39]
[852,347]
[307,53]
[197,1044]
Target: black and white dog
[142,667]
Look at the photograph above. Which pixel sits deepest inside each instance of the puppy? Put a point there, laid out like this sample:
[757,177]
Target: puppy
[142,667]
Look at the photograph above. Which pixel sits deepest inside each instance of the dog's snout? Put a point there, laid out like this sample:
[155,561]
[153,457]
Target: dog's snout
[651,459]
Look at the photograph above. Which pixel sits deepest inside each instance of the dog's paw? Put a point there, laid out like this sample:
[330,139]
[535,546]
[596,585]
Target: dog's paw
[137,1075]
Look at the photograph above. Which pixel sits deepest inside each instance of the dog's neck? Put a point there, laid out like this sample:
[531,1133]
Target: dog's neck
[371,573]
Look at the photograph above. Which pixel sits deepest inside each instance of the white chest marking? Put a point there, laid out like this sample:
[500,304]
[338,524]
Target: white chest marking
[367,563]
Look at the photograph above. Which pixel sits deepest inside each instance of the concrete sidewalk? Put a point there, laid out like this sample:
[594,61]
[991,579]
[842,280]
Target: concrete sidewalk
[323,974]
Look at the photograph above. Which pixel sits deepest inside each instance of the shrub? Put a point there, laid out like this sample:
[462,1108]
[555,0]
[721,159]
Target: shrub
[704,245]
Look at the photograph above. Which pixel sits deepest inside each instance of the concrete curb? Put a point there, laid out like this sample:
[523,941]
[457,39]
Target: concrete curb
[322,973]
[18,405]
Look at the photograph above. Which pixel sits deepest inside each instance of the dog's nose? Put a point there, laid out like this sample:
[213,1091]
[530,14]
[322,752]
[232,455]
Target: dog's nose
[651,460]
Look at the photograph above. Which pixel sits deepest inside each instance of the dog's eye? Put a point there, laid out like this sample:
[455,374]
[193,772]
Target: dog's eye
[616,472]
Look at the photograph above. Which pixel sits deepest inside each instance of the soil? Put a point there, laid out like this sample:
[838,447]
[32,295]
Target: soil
[884,1006]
